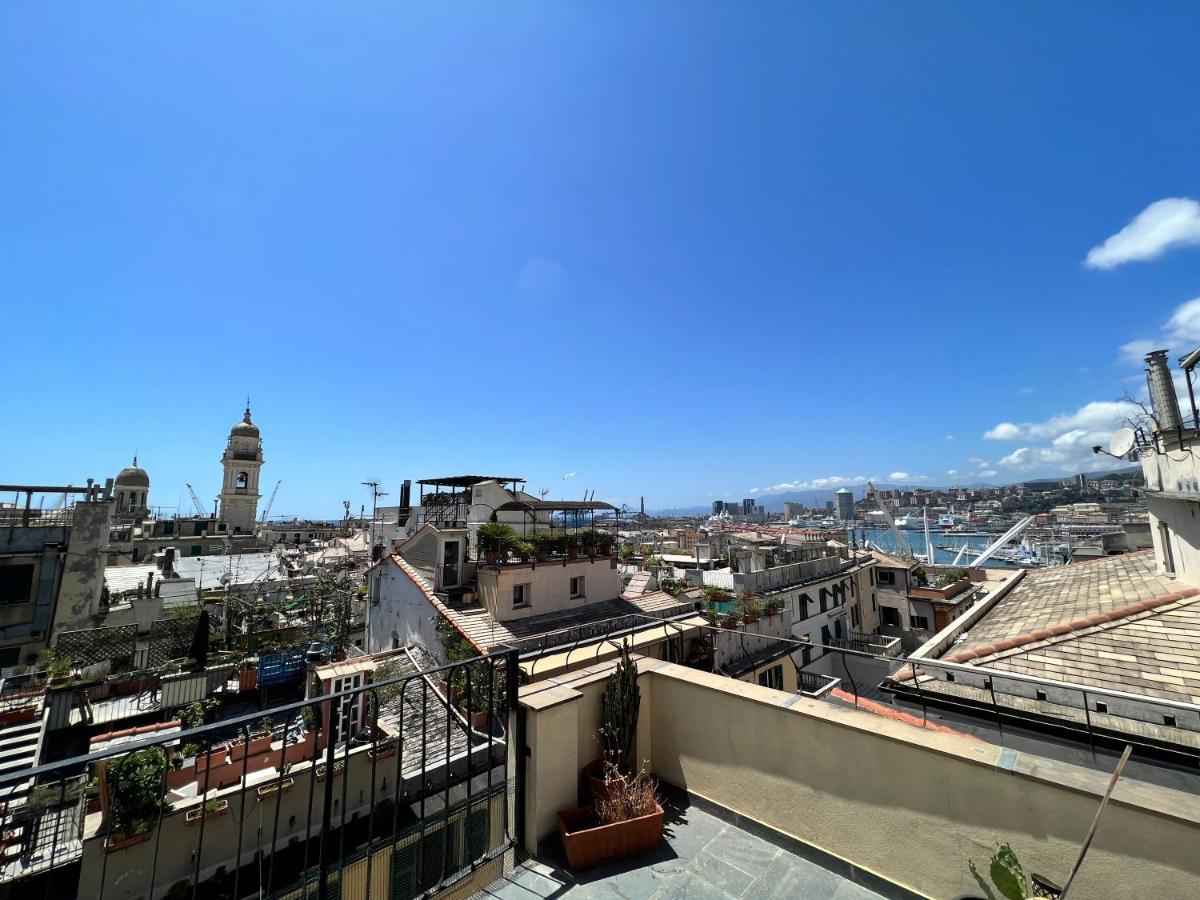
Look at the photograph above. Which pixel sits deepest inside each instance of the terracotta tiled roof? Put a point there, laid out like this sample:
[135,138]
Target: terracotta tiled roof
[1114,623]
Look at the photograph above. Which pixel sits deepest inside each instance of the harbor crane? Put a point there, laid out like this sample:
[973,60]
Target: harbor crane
[200,511]
[901,540]
[270,502]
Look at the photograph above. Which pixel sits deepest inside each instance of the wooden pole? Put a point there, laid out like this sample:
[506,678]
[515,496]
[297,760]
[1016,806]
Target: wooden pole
[1087,841]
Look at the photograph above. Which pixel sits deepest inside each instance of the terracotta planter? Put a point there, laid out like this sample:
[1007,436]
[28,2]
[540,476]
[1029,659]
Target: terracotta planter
[18,716]
[260,744]
[121,843]
[587,844]
[593,773]
[751,618]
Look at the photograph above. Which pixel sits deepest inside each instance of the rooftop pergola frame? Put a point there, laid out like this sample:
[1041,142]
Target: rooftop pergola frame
[571,510]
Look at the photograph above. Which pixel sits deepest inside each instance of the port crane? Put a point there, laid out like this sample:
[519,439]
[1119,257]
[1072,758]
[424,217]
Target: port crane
[270,502]
[200,511]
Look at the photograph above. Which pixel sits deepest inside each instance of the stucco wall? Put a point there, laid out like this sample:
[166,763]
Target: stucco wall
[550,586]
[403,612]
[912,805]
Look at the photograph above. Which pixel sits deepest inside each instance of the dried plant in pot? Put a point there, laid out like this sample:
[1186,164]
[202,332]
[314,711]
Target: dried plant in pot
[626,821]
[619,710]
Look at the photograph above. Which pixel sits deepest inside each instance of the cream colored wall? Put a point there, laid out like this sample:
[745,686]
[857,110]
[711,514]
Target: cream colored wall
[551,586]
[911,805]
[1182,517]
[790,680]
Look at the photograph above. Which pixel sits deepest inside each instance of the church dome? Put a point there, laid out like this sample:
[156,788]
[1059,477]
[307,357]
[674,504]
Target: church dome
[133,476]
[244,428]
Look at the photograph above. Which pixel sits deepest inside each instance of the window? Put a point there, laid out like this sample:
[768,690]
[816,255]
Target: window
[241,481]
[854,621]
[772,677]
[919,622]
[521,596]
[889,615]
[1101,707]
[577,587]
[887,577]
[1041,695]
[1169,721]
[874,602]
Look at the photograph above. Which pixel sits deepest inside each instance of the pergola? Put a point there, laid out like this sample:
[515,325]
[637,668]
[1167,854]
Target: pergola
[530,508]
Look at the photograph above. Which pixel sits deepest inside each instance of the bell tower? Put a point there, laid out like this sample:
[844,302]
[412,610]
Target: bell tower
[239,491]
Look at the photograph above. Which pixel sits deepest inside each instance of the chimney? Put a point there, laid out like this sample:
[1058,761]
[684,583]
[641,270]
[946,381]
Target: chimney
[405,494]
[1163,400]
[169,563]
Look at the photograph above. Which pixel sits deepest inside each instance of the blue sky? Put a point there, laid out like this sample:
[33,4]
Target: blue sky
[680,250]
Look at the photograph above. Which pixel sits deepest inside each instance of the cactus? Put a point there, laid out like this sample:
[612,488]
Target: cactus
[619,712]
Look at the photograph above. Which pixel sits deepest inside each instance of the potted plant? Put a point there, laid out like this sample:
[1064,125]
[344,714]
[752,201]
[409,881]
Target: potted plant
[339,766]
[135,792]
[275,787]
[772,608]
[604,542]
[58,666]
[619,708]
[1010,879]
[626,821]
[211,809]
[750,607]
[523,550]
[494,538]
[571,542]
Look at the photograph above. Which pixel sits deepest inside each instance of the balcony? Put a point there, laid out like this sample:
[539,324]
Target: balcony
[897,808]
[412,794]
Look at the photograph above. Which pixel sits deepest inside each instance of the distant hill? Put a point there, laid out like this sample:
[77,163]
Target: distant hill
[773,503]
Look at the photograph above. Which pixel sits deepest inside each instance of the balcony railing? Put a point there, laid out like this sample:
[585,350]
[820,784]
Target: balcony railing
[588,631]
[391,789]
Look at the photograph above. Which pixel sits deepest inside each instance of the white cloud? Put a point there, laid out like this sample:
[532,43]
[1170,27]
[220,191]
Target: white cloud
[1005,431]
[977,461]
[568,475]
[950,437]
[1064,442]
[905,476]
[989,473]
[814,484]
[1134,352]
[952,472]
[1161,226]
[1184,324]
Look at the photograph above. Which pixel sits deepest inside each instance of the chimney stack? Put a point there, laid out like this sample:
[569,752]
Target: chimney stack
[1163,400]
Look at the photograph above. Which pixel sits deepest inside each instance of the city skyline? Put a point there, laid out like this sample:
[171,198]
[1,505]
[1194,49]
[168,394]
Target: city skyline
[555,234]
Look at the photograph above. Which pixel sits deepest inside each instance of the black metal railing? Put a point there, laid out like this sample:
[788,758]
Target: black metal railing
[814,682]
[395,787]
[574,635]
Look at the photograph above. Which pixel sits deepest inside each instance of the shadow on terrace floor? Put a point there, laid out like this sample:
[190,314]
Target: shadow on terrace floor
[701,856]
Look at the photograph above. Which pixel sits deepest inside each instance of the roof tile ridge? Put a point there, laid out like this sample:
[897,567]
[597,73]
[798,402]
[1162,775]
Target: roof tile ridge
[1073,627]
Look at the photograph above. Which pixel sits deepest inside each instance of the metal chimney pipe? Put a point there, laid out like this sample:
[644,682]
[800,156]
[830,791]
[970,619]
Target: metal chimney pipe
[1163,400]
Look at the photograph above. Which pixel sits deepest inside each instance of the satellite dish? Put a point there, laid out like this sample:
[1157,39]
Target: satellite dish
[1122,442]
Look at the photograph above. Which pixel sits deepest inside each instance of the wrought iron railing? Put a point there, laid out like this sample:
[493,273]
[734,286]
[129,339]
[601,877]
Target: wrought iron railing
[388,789]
